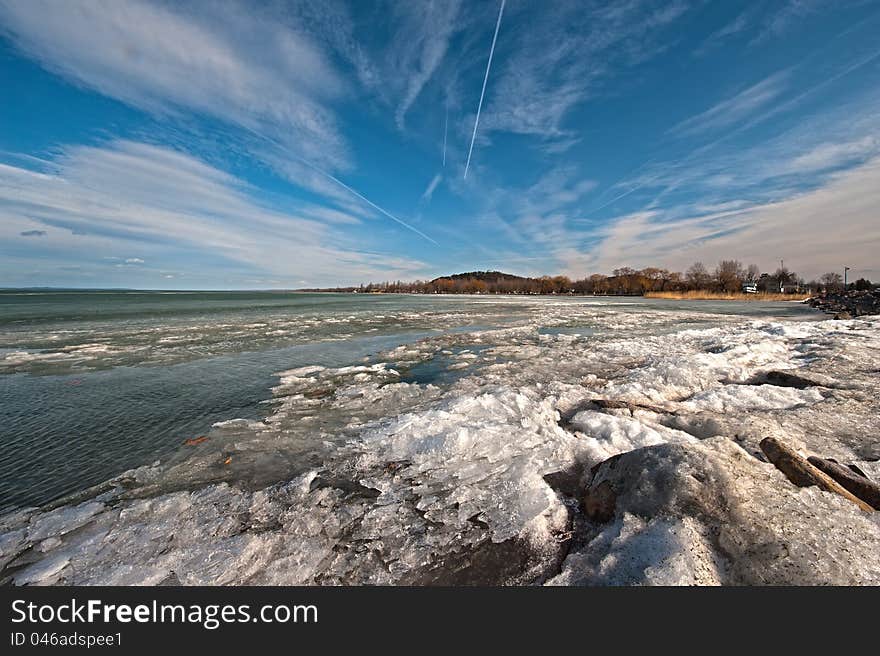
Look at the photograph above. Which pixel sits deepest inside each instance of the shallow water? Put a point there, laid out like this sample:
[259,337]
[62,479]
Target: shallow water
[95,383]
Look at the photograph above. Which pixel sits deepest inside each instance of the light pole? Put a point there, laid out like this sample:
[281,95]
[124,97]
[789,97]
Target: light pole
[845,269]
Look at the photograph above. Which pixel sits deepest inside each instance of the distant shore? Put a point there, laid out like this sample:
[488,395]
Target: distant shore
[680,296]
[726,296]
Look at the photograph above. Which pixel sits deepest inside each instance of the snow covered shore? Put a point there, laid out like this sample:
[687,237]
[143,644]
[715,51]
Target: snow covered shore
[463,459]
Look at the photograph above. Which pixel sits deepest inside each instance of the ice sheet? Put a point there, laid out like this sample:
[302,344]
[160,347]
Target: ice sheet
[356,476]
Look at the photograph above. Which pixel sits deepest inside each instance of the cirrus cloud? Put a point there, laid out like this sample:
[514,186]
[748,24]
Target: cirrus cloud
[250,71]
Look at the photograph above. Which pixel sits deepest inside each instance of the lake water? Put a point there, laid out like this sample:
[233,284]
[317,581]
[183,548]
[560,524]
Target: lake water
[95,383]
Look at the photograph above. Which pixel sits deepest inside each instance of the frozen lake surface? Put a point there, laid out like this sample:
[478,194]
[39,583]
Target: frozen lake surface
[405,439]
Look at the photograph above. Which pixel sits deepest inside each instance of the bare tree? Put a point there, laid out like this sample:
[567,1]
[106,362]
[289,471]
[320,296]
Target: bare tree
[729,275]
[831,280]
[697,276]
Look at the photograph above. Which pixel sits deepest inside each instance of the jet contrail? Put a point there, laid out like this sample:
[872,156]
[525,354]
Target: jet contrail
[445,132]
[483,92]
[369,202]
[333,178]
[617,198]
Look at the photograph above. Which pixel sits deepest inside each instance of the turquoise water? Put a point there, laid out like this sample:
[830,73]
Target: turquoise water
[94,383]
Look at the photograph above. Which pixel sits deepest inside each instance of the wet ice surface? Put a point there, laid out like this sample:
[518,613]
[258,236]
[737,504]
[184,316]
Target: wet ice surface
[89,345]
[94,383]
[459,459]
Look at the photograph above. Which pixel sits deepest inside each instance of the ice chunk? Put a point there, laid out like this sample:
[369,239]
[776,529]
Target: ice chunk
[483,455]
[43,572]
[62,520]
[730,398]
[658,551]
[606,435]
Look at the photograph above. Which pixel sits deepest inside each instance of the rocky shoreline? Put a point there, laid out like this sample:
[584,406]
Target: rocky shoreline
[847,305]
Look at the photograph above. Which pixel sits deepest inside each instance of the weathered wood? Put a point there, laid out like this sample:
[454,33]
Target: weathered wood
[800,472]
[861,486]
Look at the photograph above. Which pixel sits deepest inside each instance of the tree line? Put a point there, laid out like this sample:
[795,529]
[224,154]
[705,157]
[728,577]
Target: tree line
[728,276]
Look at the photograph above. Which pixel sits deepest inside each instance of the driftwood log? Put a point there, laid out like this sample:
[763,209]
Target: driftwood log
[861,486]
[800,472]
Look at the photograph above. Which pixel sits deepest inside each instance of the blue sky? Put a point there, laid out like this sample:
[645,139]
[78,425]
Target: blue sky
[227,144]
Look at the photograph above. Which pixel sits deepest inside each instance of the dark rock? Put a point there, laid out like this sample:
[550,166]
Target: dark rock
[846,305]
[600,502]
[608,464]
[853,467]
[784,379]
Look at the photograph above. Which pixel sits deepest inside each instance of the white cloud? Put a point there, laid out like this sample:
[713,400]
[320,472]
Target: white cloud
[328,214]
[784,15]
[725,32]
[269,73]
[422,40]
[547,69]
[735,109]
[537,218]
[395,49]
[832,155]
[801,155]
[817,231]
[257,73]
[174,208]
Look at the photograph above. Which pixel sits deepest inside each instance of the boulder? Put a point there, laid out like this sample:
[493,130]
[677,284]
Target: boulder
[847,305]
[708,512]
[600,502]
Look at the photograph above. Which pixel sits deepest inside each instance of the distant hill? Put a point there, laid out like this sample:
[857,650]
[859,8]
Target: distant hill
[485,276]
